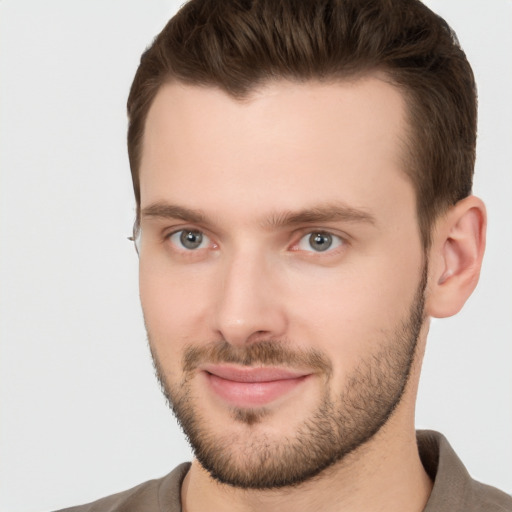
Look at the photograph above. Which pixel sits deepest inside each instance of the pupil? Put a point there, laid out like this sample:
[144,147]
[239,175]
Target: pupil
[191,239]
[320,241]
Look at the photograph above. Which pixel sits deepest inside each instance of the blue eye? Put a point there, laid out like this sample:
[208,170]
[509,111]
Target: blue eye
[189,239]
[319,241]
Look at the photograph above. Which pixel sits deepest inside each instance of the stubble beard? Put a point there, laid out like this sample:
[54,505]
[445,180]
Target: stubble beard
[337,427]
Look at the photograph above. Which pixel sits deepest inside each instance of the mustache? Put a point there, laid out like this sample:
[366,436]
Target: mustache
[265,353]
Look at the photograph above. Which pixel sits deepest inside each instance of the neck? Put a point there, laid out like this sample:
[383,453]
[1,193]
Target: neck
[385,474]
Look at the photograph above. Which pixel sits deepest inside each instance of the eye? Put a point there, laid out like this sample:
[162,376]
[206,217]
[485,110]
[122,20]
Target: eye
[319,241]
[189,239]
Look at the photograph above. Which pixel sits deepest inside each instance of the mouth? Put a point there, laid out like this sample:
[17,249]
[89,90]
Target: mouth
[251,386]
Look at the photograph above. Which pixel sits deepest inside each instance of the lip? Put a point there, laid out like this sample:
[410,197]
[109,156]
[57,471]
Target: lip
[251,387]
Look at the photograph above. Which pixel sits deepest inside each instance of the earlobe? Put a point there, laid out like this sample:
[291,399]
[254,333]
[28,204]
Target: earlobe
[458,245]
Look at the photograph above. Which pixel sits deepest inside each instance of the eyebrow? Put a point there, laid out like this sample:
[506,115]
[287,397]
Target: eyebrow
[319,214]
[171,211]
[324,213]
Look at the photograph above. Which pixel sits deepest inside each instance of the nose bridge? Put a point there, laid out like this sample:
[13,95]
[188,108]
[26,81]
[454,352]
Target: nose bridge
[247,306]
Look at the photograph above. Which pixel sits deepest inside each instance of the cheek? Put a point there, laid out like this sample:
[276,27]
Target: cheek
[174,307]
[352,312]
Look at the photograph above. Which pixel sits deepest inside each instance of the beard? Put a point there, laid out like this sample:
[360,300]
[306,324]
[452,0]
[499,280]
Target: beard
[339,425]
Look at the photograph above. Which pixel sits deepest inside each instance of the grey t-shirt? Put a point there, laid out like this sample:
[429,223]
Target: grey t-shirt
[454,490]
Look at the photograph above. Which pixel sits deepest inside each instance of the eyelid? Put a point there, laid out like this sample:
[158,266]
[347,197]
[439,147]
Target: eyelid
[207,239]
[299,234]
[171,230]
[303,233]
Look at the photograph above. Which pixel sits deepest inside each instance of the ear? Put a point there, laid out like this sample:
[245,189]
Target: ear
[455,257]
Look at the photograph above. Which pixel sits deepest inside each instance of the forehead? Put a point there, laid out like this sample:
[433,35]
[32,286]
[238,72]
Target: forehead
[285,145]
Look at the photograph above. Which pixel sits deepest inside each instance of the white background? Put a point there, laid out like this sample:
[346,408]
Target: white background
[81,412]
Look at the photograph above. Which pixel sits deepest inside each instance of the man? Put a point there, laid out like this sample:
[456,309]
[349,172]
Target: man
[303,175]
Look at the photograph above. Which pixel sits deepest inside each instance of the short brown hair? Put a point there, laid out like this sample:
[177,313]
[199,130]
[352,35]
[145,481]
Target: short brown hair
[237,45]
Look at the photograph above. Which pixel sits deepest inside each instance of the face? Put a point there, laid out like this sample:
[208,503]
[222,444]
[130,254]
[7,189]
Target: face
[281,271]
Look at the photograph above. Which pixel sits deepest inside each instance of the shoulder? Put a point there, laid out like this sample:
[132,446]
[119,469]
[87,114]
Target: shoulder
[151,496]
[485,498]
[454,490]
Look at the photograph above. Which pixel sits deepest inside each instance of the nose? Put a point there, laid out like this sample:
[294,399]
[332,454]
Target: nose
[249,304]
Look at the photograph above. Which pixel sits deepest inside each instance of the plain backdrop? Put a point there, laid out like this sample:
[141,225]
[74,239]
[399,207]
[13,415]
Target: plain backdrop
[81,412]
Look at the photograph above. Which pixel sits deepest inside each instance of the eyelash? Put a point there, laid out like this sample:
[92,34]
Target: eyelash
[190,231]
[338,240]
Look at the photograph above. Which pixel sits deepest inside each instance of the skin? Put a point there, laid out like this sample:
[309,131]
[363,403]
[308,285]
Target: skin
[242,164]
